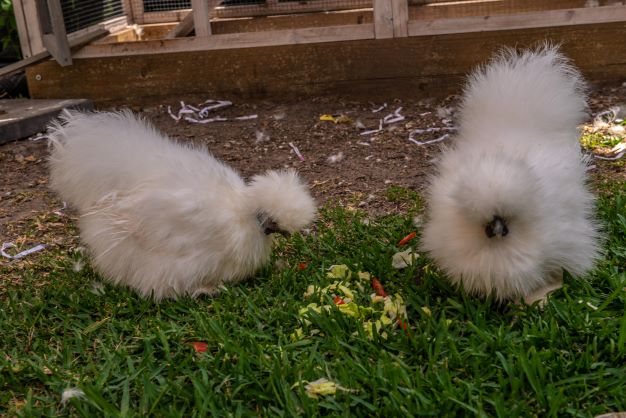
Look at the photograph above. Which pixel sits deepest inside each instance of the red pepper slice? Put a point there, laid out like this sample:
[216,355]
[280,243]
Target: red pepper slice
[199,346]
[406,239]
[339,301]
[378,287]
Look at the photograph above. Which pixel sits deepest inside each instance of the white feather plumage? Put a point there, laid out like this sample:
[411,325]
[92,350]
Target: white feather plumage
[516,157]
[164,218]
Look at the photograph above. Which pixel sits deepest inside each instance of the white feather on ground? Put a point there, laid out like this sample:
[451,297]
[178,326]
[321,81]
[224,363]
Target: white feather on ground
[164,218]
[70,393]
[515,172]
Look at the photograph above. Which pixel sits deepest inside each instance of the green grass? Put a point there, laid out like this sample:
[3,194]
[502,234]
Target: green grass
[400,194]
[469,357]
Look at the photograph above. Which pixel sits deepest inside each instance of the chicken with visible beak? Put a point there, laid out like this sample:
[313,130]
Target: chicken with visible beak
[509,209]
[164,218]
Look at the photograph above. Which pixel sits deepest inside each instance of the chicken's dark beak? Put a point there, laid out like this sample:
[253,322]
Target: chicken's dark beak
[271,227]
[496,228]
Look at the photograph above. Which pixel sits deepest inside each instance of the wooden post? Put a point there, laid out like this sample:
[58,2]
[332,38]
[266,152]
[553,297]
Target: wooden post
[128,11]
[201,17]
[400,10]
[137,11]
[28,27]
[52,28]
[22,28]
[383,19]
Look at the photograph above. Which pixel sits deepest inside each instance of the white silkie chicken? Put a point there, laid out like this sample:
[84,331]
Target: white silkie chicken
[509,209]
[164,218]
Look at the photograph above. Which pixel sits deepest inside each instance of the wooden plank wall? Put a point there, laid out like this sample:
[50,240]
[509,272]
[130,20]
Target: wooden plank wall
[412,66]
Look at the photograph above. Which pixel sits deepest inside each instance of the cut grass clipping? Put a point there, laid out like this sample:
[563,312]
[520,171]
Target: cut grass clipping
[72,346]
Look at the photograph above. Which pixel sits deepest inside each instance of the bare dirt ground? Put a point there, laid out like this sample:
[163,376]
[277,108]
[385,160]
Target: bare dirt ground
[369,166]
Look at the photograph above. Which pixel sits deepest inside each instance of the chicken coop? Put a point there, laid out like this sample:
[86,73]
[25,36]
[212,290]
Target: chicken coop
[124,49]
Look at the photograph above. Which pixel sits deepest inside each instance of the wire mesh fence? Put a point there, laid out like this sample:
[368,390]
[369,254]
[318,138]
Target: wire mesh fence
[79,14]
[244,8]
[425,2]
[165,5]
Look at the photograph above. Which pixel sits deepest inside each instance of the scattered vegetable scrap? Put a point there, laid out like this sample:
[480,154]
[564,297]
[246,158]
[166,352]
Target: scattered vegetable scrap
[339,271]
[403,259]
[322,387]
[406,239]
[378,312]
[336,119]
[199,346]
[378,287]
[338,300]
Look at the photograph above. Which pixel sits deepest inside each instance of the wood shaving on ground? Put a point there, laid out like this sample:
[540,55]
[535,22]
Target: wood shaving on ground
[378,109]
[620,149]
[421,131]
[200,114]
[296,151]
[373,131]
[393,117]
[7,245]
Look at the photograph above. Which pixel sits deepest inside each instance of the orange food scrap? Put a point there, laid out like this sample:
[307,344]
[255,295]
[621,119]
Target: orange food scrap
[406,239]
[338,300]
[199,346]
[378,287]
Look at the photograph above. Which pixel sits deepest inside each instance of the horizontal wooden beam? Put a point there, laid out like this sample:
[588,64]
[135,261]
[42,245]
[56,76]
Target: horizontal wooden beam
[458,9]
[554,18]
[277,8]
[252,10]
[415,66]
[230,41]
[543,19]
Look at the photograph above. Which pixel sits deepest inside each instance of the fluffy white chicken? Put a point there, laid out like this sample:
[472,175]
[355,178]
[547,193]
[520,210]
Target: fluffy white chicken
[164,218]
[508,208]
